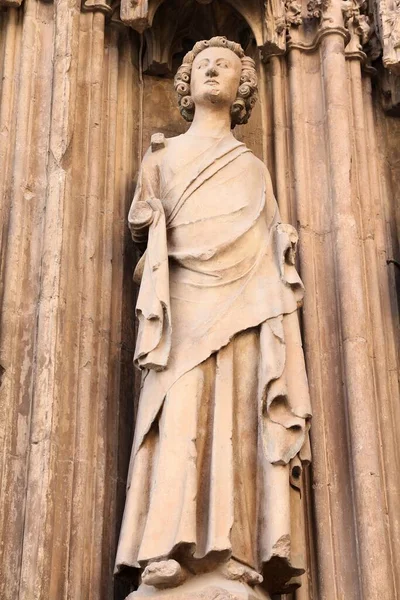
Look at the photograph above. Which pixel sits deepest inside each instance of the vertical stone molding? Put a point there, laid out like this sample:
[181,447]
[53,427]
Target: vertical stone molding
[69,131]
[357,367]
[27,67]
[331,492]
[337,201]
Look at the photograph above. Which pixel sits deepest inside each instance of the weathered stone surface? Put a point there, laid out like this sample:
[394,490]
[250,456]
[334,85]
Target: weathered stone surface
[203,587]
[67,336]
[387,19]
[218,281]
[164,574]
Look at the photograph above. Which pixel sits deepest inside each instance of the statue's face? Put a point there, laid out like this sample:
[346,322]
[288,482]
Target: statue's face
[215,77]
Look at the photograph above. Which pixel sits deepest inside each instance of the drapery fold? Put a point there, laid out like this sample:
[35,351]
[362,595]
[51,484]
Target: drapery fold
[219,264]
[203,284]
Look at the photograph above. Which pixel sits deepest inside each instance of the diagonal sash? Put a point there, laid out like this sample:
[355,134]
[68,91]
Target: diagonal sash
[189,179]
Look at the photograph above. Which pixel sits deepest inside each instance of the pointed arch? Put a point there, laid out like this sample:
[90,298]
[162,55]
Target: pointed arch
[140,14]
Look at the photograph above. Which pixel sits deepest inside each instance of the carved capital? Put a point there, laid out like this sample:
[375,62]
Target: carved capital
[357,23]
[136,14]
[280,17]
[316,8]
[293,13]
[355,18]
[274,28]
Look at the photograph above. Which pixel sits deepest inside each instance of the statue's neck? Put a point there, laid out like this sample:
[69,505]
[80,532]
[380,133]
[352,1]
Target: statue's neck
[211,121]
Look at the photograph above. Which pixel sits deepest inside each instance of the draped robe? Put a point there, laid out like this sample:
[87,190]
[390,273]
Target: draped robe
[223,418]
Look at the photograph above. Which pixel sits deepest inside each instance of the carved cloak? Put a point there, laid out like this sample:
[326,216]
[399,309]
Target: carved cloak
[218,265]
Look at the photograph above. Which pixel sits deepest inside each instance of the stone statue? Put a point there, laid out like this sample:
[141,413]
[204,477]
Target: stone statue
[212,505]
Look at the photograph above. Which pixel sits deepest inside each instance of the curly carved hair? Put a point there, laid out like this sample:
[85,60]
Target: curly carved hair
[247,92]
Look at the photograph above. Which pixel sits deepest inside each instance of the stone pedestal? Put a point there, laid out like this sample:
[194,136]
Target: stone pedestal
[211,586]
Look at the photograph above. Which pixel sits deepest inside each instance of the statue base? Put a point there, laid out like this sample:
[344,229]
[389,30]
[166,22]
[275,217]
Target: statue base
[210,586]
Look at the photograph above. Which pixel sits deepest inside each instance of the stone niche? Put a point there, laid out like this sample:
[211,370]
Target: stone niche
[176,26]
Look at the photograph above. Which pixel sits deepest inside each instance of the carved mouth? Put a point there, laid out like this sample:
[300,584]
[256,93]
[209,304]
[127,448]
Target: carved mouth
[211,81]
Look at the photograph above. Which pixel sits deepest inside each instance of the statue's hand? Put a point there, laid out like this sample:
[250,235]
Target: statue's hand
[143,215]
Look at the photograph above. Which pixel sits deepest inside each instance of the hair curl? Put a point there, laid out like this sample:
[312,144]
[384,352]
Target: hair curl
[247,91]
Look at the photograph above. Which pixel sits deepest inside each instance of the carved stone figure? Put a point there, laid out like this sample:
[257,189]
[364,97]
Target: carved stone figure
[213,500]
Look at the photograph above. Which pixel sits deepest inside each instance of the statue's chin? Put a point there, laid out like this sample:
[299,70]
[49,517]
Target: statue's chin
[215,97]
[213,94]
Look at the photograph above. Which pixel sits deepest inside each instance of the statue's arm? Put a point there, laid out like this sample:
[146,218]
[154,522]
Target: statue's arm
[139,222]
[141,214]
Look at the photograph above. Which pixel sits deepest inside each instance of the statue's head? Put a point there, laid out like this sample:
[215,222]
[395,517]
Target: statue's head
[217,71]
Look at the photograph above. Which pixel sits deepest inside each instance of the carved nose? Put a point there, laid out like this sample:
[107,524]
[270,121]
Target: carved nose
[211,72]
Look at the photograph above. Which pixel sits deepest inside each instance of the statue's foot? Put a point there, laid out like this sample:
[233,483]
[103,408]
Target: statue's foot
[164,574]
[237,571]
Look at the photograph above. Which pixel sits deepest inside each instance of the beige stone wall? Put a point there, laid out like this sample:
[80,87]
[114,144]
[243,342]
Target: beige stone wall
[75,119]
[69,158]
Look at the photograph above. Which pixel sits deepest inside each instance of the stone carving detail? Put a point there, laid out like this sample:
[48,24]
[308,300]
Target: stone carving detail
[279,18]
[387,18]
[224,408]
[292,13]
[275,27]
[316,8]
[247,92]
[356,21]
[290,17]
